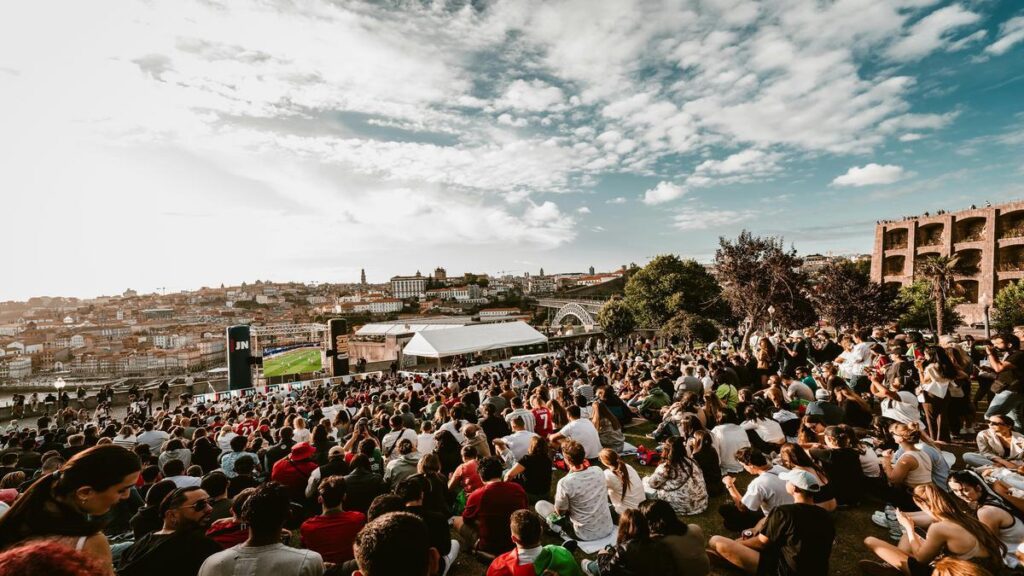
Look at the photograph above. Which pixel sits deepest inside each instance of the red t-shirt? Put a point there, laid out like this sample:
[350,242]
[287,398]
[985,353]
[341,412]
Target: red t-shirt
[469,477]
[508,565]
[491,507]
[227,532]
[542,421]
[332,535]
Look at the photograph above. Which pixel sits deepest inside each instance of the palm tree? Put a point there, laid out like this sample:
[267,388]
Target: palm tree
[941,272]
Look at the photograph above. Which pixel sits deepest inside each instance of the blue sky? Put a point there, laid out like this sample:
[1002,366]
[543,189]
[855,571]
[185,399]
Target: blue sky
[181,143]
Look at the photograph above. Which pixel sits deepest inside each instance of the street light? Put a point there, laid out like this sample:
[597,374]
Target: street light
[771,314]
[59,384]
[986,302]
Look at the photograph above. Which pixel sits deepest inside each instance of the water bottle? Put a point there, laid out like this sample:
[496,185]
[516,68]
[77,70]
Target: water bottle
[895,530]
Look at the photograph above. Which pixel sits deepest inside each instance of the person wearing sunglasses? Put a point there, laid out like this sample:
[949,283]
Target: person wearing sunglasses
[998,445]
[180,547]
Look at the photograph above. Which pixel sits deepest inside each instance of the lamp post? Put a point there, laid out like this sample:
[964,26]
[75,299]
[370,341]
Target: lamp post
[771,316]
[59,385]
[986,303]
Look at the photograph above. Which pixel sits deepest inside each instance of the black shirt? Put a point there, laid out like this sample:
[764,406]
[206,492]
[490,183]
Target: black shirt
[1013,378]
[180,553]
[536,478]
[800,540]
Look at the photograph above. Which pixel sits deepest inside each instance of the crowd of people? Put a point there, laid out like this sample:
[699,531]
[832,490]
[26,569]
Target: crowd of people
[524,464]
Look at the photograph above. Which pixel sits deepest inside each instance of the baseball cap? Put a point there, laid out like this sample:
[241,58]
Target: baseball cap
[801,479]
[821,394]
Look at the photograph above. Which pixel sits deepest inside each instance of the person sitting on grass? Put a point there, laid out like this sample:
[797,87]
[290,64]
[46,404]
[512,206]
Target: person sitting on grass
[796,539]
[530,557]
[484,522]
[582,495]
[634,551]
[764,493]
[396,544]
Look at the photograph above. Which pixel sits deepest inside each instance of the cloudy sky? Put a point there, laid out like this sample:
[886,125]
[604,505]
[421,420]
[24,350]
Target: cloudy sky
[184,143]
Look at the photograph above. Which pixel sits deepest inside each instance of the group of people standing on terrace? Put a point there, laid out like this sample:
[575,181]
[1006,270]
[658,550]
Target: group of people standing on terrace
[529,468]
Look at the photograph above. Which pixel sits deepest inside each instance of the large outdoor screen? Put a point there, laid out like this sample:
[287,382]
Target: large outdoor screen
[283,356]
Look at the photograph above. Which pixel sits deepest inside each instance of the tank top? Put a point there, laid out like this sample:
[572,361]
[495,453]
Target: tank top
[1011,536]
[923,473]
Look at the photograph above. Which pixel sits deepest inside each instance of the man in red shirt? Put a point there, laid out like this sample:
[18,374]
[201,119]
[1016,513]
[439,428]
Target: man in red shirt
[542,418]
[485,519]
[333,532]
[293,471]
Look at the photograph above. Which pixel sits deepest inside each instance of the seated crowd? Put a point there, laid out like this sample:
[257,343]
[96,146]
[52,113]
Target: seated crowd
[400,473]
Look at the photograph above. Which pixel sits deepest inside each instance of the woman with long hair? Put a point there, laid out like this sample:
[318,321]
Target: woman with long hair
[701,447]
[533,470]
[856,412]
[634,551]
[448,451]
[766,357]
[322,443]
[625,489]
[678,480]
[950,532]
[936,373]
[1004,521]
[67,506]
[713,407]
[608,428]
[841,463]
[912,469]
[300,433]
[794,457]
[685,542]
[559,416]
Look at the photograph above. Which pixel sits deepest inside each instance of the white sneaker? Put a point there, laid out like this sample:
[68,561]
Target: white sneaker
[879,518]
[452,555]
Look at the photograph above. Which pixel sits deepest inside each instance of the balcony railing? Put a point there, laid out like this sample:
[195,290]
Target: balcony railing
[895,245]
[972,236]
[930,241]
[1016,266]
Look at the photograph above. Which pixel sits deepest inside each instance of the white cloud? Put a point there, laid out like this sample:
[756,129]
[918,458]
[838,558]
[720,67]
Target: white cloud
[508,120]
[911,137]
[616,200]
[931,33]
[583,210]
[871,174]
[1011,33]
[532,96]
[692,218]
[663,192]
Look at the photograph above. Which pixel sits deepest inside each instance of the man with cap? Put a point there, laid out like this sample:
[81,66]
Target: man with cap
[294,470]
[796,539]
[824,406]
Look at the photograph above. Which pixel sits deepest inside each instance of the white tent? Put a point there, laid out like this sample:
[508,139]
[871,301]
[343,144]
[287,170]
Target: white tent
[475,338]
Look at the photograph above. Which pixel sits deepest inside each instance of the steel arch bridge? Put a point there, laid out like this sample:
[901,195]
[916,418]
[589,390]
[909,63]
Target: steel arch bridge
[583,310]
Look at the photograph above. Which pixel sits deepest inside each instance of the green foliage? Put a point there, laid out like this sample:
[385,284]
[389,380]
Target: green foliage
[759,274]
[844,295]
[690,327]
[668,285]
[917,306]
[941,272]
[1008,307]
[616,318]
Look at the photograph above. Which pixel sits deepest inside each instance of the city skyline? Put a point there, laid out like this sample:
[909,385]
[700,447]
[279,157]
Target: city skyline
[200,143]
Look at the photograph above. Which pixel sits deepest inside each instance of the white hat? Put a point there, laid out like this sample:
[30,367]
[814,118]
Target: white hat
[821,394]
[802,479]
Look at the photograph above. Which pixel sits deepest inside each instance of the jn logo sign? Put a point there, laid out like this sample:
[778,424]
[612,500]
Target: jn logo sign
[241,345]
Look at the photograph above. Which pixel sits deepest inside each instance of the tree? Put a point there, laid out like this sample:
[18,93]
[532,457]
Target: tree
[668,285]
[616,318]
[941,273]
[690,327]
[916,306]
[759,275]
[844,295]
[1008,307]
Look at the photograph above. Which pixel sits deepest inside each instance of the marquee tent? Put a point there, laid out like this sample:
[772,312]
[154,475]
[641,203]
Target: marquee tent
[469,339]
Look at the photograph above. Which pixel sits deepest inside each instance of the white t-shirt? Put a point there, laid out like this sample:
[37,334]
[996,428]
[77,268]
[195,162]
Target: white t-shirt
[585,496]
[450,427]
[768,430]
[270,560]
[634,495]
[727,439]
[583,431]
[519,442]
[425,443]
[155,439]
[767,491]
[526,415]
[905,411]
[391,440]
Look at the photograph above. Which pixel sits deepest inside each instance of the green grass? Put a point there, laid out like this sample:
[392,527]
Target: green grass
[852,526]
[298,361]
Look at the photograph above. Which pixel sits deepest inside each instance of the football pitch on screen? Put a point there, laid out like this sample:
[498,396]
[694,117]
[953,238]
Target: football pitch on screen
[298,361]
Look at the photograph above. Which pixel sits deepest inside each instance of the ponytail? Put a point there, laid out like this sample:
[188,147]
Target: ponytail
[618,467]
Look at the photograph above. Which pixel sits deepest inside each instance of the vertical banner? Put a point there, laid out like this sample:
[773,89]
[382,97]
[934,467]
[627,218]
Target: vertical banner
[239,358]
[337,347]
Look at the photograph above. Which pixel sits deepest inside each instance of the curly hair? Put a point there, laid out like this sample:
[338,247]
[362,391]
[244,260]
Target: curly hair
[47,558]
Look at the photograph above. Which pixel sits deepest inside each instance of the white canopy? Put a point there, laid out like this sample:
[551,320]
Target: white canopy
[476,338]
[383,329]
